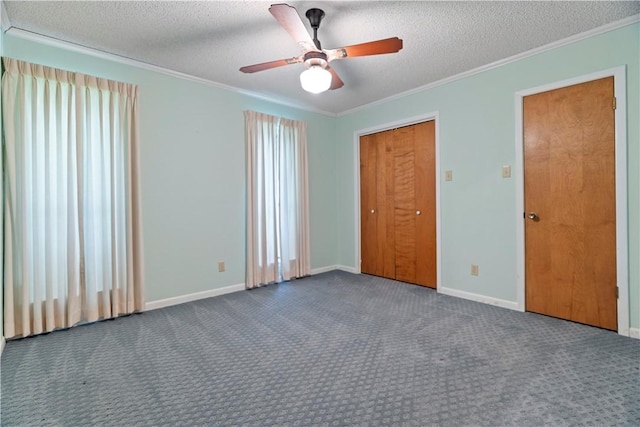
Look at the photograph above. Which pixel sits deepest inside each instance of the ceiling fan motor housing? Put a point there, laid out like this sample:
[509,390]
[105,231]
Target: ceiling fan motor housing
[315,58]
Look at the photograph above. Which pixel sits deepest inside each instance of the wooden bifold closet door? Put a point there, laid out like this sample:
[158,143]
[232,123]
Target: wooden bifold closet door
[397,197]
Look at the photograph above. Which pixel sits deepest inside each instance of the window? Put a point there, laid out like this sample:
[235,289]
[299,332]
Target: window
[277,200]
[72,232]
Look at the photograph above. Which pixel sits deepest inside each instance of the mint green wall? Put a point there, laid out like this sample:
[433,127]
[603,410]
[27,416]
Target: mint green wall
[192,169]
[477,131]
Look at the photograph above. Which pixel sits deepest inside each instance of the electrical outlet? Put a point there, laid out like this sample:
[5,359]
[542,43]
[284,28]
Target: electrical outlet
[474,269]
[221,266]
[448,175]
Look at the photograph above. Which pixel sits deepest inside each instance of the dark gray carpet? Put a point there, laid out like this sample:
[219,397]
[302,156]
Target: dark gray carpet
[333,349]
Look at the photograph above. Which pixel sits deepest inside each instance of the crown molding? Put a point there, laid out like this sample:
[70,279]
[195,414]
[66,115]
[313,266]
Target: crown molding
[72,47]
[39,38]
[553,45]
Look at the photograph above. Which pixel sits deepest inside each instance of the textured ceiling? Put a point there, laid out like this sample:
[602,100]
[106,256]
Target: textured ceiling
[213,39]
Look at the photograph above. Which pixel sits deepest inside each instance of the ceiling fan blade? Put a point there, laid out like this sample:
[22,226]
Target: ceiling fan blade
[336,81]
[288,17]
[271,64]
[377,47]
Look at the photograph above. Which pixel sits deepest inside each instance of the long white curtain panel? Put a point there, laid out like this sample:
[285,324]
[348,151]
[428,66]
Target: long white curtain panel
[277,199]
[72,229]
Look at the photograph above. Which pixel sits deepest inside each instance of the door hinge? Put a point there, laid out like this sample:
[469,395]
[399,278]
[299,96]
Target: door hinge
[615,104]
[617,292]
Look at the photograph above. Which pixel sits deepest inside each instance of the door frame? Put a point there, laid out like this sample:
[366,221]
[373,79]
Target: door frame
[620,147]
[356,155]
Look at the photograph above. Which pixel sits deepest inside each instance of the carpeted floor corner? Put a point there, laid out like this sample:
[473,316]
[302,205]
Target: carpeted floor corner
[334,349]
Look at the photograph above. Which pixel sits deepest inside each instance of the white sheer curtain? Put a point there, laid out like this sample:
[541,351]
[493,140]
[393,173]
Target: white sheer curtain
[277,199]
[72,231]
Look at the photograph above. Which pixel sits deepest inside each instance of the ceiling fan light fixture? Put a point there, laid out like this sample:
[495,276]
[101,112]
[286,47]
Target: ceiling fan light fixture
[315,79]
[318,77]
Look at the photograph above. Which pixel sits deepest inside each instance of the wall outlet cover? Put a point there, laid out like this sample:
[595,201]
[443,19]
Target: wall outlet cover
[474,269]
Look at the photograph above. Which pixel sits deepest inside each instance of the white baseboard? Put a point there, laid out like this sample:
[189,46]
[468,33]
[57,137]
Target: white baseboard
[193,297]
[332,268]
[152,305]
[315,271]
[347,269]
[2,342]
[511,305]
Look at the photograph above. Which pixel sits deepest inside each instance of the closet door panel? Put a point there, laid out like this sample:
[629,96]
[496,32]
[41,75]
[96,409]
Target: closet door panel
[368,203]
[385,195]
[405,204]
[425,181]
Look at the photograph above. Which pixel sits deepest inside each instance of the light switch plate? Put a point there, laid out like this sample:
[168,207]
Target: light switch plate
[506,171]
[448,175]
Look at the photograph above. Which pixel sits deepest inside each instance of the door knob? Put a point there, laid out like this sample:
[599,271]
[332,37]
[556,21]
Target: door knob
[373,211]
[533,216]
[418,212]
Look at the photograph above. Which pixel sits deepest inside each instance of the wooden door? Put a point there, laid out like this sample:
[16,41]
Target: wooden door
[397,204]
[376,205]
[569,180]
[414,176]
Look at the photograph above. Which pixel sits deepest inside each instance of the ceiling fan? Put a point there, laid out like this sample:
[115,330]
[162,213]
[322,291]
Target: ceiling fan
[318,76]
